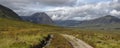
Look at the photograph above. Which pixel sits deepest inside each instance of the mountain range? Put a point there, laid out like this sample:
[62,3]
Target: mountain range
[105,21]
[42,18]
[108,19]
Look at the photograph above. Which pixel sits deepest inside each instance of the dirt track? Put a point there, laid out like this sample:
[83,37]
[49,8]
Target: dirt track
[75,42]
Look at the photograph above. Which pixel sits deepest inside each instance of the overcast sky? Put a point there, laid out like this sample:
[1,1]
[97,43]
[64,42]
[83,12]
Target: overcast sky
[65,9]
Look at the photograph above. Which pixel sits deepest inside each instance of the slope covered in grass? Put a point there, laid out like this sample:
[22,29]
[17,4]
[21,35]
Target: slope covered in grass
[19,34]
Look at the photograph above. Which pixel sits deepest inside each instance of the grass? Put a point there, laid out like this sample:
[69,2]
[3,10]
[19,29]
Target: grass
[19,34]
[18,41]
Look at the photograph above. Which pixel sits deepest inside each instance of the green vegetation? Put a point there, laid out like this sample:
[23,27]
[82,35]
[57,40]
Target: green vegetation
[19,34]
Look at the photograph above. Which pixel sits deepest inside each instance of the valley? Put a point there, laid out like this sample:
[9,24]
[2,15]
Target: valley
[35,31]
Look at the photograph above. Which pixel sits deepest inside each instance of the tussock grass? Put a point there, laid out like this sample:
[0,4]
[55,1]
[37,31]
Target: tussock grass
[19,34]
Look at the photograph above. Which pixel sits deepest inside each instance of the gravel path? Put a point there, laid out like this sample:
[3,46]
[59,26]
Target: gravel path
[75,42]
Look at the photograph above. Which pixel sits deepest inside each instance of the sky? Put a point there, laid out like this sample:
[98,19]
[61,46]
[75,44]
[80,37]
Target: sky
[65,9]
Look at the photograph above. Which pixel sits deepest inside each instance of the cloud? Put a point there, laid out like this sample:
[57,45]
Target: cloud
[40,2]
[35,5]
[87,11]
[65,9]
[115,12]
[56,2]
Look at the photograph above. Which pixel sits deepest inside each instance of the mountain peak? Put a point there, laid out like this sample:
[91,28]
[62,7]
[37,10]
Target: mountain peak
[39,14]
[110,16]
[40,18]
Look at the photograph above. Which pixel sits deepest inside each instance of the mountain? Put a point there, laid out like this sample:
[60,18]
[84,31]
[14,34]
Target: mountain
[103,20]
[40,18]
[8,13]
[106,22]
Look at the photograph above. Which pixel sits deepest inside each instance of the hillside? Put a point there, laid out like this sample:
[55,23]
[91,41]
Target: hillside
[18,34]
[8,13]
[15,33]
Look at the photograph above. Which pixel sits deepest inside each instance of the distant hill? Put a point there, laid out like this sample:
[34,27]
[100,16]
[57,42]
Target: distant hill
[103,20]
[67,22]
[40,18]
[107,21]
[8,13]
